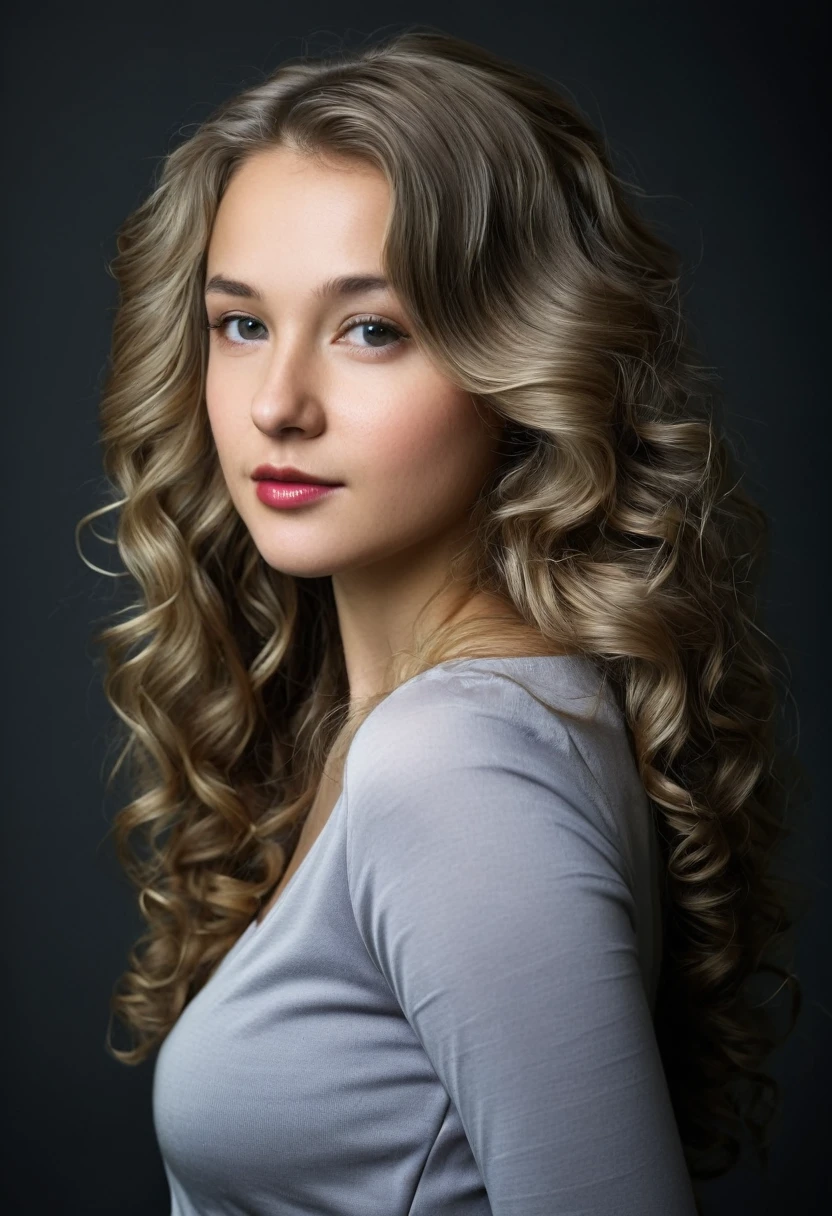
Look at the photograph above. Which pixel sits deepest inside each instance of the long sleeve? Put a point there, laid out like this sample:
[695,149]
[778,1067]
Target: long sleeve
[489,889]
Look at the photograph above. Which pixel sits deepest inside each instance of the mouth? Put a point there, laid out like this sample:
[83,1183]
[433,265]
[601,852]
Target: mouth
[292,494]
[290,476]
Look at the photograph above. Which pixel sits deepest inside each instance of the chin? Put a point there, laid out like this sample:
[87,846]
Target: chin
[303,564]
[297,567]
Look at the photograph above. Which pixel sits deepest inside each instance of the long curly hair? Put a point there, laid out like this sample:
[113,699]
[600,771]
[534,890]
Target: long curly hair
[614,527]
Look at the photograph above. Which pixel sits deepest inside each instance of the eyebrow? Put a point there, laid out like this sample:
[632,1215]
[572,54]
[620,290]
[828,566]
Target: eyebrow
[341,285]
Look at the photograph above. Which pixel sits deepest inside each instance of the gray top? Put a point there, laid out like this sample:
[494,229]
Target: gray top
[447,1012]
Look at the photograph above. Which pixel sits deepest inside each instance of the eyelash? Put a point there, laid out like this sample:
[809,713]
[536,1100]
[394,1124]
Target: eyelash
[369,319]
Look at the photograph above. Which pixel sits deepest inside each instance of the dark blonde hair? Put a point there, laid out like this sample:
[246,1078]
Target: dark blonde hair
[614,527]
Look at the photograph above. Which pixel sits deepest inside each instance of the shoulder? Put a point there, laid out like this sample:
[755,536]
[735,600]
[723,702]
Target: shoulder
[464,794]
[448,712]
[471,732]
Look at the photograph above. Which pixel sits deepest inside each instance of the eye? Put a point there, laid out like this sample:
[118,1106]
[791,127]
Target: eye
[377,329]
[223,323]
[380,335]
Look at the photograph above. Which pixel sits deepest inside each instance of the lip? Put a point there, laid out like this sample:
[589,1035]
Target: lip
[284,494]
[288,474]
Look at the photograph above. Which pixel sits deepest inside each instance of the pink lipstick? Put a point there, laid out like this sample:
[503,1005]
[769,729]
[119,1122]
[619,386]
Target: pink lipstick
[291,493]
[290,487]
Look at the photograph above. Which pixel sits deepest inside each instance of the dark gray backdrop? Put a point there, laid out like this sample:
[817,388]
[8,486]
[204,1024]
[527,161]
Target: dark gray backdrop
[714,109]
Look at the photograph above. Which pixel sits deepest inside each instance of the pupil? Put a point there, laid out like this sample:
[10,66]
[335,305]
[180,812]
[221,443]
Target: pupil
[374,325]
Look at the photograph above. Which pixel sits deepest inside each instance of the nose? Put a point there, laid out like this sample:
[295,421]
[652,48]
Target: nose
[288,399]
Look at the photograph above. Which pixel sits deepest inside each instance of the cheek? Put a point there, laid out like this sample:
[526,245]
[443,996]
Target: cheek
[434,432]
[219,399]
[228,441]
[218,423]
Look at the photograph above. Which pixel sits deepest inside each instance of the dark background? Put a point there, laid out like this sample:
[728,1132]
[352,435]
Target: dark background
[715,110]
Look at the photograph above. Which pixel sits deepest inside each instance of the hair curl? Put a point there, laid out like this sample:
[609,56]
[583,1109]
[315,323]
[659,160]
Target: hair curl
[614,527]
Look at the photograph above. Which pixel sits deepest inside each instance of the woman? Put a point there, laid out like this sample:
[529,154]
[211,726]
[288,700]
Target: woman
[440,762]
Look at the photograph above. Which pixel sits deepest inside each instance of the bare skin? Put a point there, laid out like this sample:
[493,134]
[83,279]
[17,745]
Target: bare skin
[298,376]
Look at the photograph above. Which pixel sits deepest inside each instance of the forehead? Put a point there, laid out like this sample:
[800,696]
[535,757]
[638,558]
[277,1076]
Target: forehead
[289,217]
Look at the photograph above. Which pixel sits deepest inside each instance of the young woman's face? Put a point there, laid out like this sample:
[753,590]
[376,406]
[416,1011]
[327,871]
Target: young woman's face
[298,375]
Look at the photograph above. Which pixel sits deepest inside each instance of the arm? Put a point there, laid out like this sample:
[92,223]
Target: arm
[492,898]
